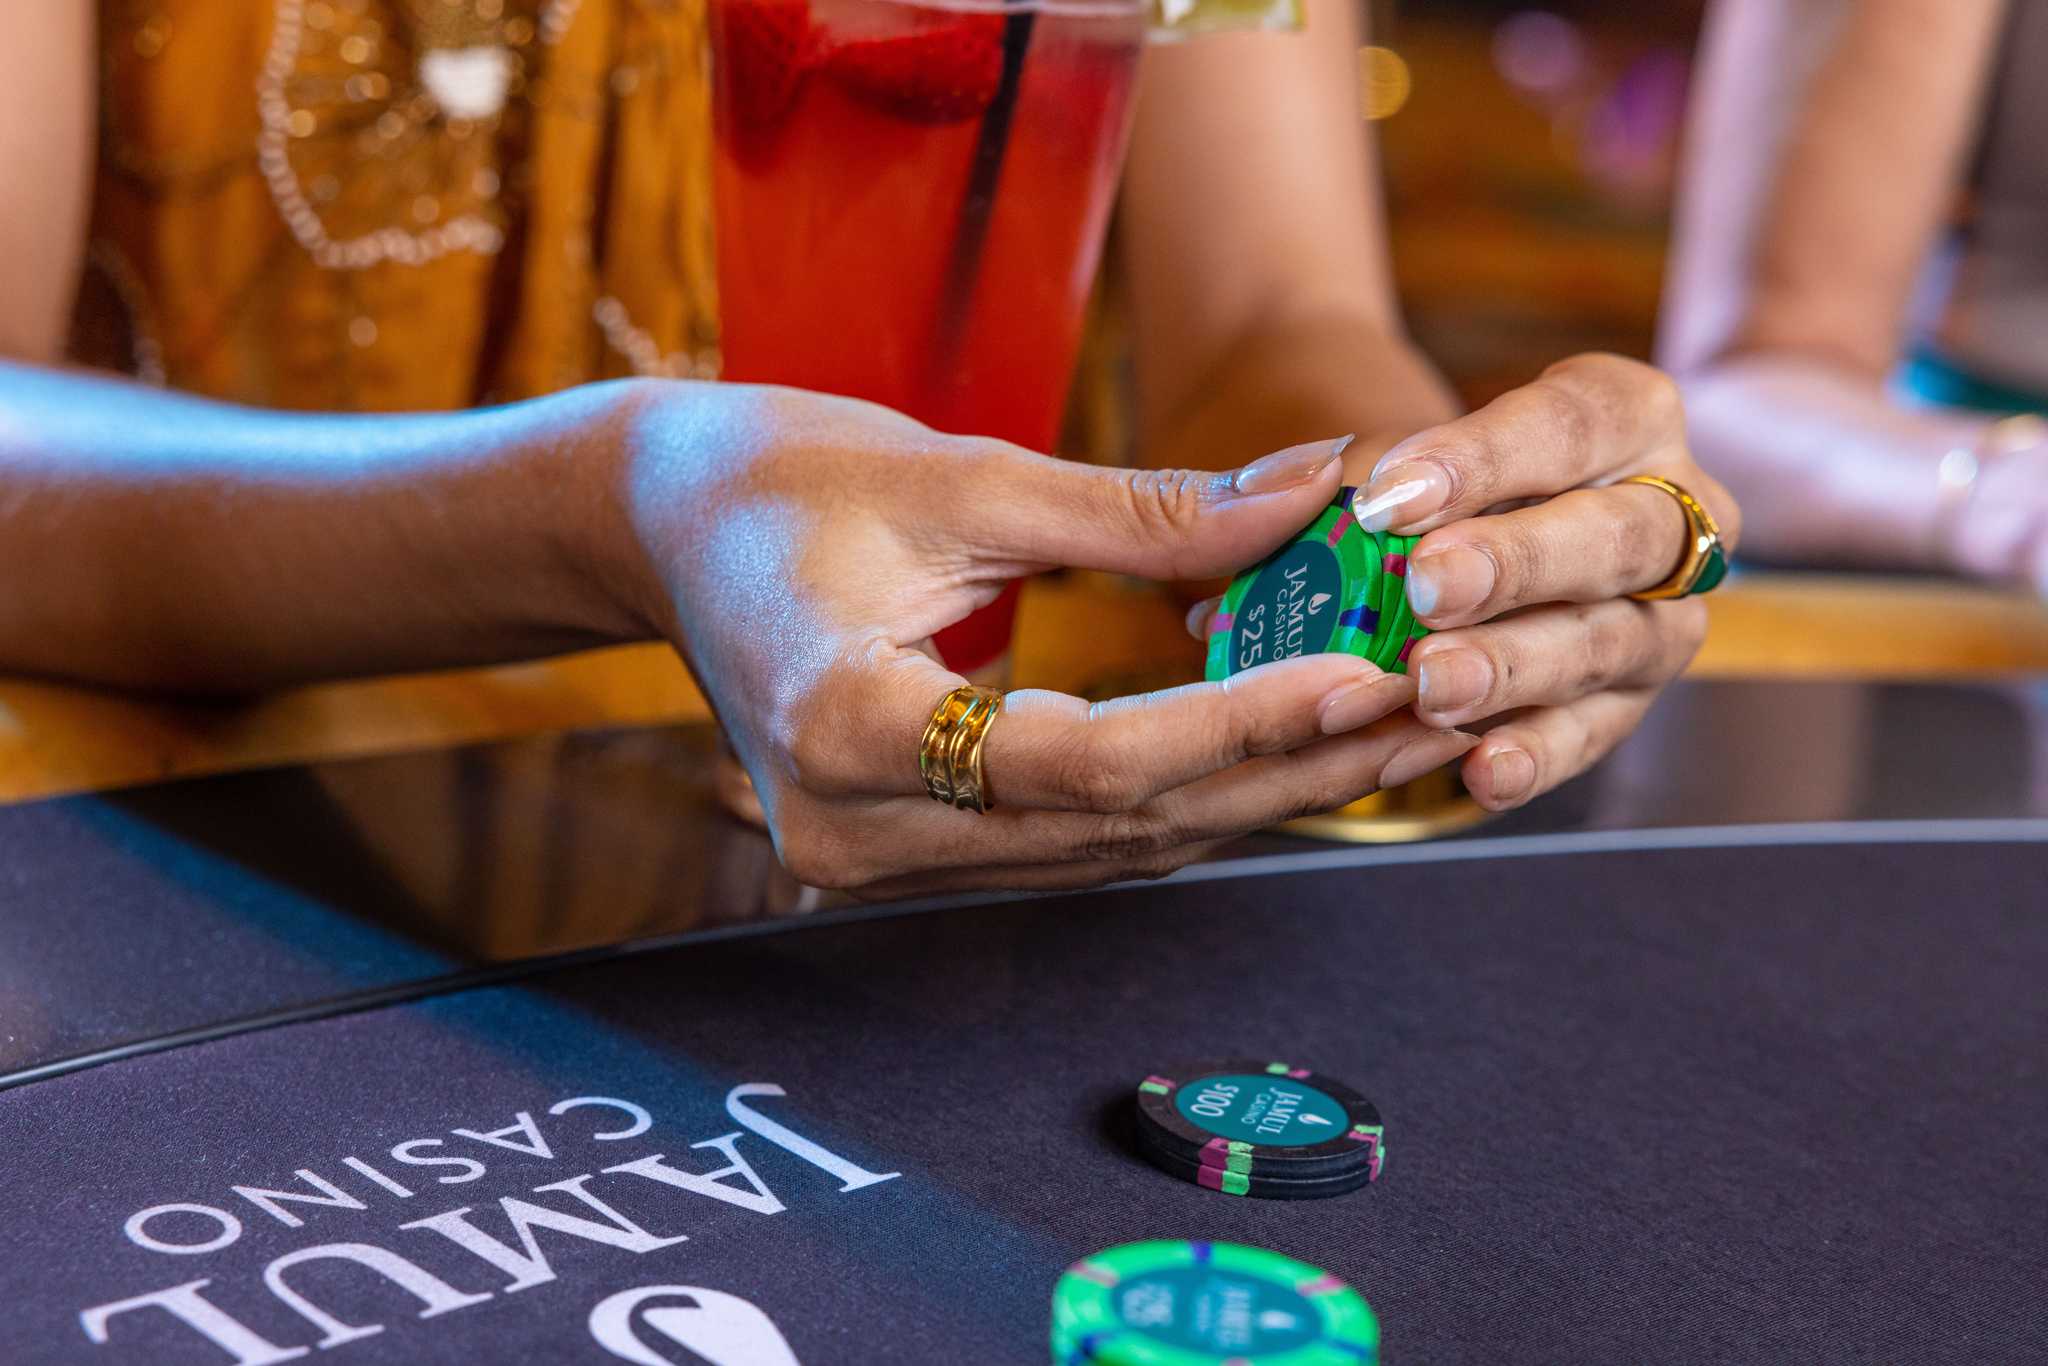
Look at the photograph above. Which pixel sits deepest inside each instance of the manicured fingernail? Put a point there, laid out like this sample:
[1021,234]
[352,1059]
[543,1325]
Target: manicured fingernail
[1452,680]
[1399,453]
[1511,774]
[1402,494]
[1289,468]
[1198,617]
[1358,704]
[1425,755]
[1445,583]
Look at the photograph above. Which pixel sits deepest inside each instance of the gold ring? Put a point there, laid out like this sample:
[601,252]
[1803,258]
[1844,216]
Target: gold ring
[949,753]
[1705,561]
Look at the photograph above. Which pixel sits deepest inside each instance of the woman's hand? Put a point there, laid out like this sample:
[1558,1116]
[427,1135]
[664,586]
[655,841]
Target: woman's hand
[1530,553]
[801,549]
[1531,550]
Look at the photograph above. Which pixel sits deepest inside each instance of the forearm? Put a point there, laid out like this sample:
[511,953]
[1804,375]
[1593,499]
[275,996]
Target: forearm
[157,540]
[1827,466]
[1297,381]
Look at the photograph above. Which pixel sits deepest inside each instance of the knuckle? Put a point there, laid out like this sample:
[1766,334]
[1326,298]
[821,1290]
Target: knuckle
[1325,793]
[1580,365]
[1162,500]
[1155,866]
[1572,748]
[1663,401]
[1567,413]
[1609,645]
[1477,467]
[1522,558]
[1510,668]
[1634,546]
[812,736]
[1126,836]
[1254,732]
[1092,778]
[816,861]
[812,759]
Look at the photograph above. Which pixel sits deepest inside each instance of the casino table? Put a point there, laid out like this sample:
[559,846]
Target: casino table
[1734,1050]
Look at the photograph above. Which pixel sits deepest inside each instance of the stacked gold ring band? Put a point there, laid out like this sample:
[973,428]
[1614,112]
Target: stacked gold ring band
[949,755]
[1705,561]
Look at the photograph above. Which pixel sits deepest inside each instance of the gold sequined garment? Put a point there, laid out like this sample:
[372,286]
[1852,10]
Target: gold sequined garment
[400,204]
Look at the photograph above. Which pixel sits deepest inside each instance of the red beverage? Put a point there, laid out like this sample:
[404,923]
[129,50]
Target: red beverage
[881,234]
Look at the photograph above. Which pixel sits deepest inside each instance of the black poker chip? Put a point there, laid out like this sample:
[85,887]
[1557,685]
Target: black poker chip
[1257,1118]
[1230,1182]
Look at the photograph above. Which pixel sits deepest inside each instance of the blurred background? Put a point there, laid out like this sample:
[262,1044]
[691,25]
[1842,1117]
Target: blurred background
[1530,155]
[1529,161]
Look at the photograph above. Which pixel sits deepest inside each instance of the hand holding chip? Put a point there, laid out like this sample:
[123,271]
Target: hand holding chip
[1528,549]
[800,548]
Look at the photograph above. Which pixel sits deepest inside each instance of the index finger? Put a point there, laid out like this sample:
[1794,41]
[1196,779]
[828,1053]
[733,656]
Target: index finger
[1584,420]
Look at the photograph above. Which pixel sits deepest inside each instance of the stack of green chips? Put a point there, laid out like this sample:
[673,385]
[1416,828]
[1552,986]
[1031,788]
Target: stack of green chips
[1172,1303]
[1335,587]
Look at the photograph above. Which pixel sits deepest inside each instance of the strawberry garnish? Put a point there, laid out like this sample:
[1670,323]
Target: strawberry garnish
[942,73]
[766,49]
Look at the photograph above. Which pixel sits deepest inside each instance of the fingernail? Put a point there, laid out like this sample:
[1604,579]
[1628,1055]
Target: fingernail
[1289,468]
[1511,774]
[1452,680]
[1445,583]
[1358,704]
[1402,494]
[1426,755]
[1400,452]
[1198,617]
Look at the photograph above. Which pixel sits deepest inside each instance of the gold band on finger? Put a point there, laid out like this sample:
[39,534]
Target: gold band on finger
[931,749]
[1705,561]
[949,755]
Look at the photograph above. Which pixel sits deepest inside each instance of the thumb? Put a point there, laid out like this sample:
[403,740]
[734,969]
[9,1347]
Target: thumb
[1157,524]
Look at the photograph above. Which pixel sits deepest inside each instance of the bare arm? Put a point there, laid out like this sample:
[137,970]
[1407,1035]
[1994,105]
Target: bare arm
[1827,142]
[1257,252]
[46,140]
[162,541]
[157,540]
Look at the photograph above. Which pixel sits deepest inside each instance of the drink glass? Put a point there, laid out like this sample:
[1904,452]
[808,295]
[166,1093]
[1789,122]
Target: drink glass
[911,200]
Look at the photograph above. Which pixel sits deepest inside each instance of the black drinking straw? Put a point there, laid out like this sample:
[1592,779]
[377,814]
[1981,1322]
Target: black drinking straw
[980,202]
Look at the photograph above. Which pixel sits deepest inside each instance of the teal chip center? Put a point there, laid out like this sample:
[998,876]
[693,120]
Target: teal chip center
[1275,1112]
[1291,608]
[1217,1311]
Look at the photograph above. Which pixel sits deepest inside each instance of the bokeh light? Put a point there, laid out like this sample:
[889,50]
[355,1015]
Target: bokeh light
[1383,82]
[1539,53]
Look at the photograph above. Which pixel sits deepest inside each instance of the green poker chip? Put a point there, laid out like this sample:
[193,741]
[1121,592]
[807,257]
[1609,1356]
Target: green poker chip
[1175,1303]
[1411,629]
[1334,587]
[1317,594]
[1397,619]
[1393,597]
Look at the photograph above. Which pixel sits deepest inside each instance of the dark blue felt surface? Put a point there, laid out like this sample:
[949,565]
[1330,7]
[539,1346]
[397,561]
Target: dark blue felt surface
[1756,1105]
[113,928]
